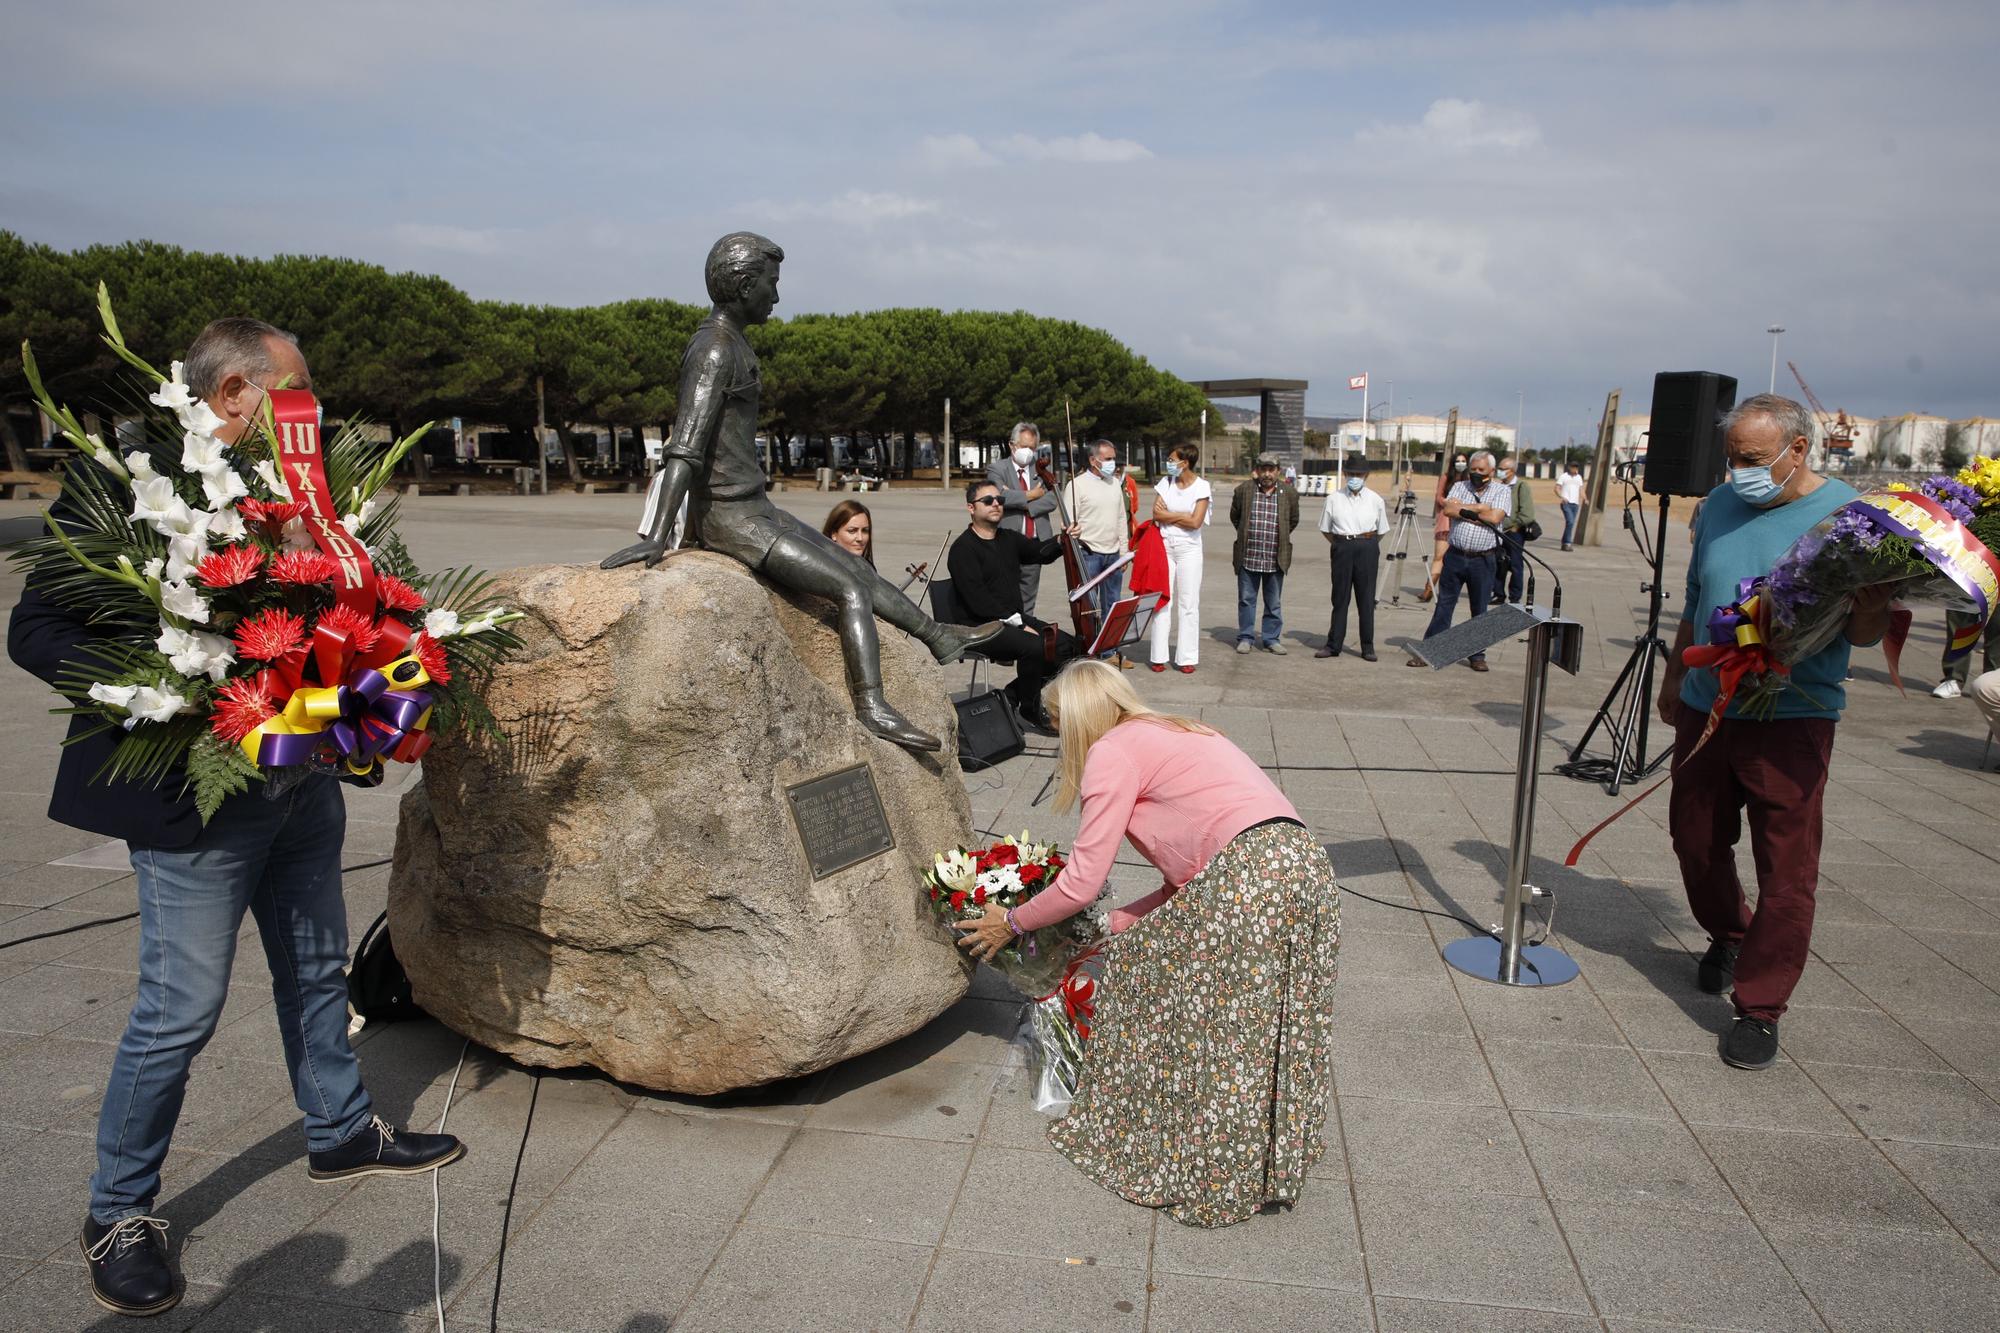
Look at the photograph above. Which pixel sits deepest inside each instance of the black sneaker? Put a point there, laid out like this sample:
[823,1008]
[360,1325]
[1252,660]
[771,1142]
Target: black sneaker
[1718,967]
[1751,1044]
[381,1151]
[128,1265]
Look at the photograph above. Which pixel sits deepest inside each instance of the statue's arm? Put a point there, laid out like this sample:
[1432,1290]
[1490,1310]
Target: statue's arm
[687,450]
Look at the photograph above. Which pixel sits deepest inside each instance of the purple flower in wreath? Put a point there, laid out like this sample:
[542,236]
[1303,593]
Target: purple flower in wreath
[1960,500]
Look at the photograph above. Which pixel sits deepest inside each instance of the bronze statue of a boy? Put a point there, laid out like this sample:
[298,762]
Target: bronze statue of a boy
[712,458]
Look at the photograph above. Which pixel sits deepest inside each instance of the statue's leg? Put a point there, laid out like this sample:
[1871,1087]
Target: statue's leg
[795,562]
[946,642]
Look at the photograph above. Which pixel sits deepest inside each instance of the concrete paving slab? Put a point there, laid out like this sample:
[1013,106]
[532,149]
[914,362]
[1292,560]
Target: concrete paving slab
[1694,1270]
[1470,1249]
[1188,1304]
[767,1279]
[969,1289]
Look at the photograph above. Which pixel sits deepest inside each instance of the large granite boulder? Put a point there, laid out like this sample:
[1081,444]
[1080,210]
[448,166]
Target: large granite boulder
[621,882]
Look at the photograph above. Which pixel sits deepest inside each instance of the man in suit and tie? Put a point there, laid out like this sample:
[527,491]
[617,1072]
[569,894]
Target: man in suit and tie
[1026,504]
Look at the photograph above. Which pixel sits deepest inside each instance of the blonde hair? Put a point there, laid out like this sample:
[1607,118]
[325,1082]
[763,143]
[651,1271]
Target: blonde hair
[1087,699]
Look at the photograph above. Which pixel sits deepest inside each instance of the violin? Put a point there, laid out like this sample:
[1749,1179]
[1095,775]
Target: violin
[916,571]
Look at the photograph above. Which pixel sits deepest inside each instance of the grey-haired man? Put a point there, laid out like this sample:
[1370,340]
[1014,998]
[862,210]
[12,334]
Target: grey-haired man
[1026,504]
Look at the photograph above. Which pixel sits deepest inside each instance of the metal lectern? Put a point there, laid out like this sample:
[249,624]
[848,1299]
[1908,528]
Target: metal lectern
[1504,956]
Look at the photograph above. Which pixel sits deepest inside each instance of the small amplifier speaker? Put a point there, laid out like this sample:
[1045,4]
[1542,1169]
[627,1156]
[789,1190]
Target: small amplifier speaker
[1684,453]
[988,731]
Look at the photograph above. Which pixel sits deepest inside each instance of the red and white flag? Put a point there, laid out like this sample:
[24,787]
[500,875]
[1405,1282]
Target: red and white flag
[1358,381]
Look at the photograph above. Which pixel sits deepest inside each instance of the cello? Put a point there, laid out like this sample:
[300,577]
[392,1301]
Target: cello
[1082,610]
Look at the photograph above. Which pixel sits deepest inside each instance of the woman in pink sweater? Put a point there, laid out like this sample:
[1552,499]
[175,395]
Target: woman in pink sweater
[1205,1080]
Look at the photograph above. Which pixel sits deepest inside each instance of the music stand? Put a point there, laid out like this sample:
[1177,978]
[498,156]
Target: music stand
[1126,614]
[1503,956]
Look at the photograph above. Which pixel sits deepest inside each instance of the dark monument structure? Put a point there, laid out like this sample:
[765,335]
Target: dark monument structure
[712,459]
[1282,405]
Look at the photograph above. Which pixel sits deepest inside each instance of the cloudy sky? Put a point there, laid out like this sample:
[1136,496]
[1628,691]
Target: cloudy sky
[1472,200]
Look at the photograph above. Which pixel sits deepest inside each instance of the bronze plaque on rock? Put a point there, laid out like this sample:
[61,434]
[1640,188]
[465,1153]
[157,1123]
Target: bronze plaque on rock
[840,819]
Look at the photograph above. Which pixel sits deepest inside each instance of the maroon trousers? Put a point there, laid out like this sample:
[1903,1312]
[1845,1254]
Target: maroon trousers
[1776,771]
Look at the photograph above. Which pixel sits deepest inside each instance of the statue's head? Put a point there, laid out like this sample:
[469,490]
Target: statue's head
[742,274]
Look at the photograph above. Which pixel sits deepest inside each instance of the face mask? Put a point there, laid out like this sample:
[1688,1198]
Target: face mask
[1754,485]
[1024,457]
[1173,470]
[1107,469]
[1354,485]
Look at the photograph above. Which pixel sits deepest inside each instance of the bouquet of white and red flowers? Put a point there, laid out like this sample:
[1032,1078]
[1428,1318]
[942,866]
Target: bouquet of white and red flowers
[1935,540]
[253,613]
[1058,964]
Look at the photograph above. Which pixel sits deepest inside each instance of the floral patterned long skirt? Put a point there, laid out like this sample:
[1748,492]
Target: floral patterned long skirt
[1205,1080]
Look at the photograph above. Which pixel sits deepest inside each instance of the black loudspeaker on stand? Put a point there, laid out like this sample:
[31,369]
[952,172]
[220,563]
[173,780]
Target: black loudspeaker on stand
[1685,456]
[988,731]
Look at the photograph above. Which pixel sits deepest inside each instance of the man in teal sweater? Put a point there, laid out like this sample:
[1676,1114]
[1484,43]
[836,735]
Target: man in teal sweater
[1776,768]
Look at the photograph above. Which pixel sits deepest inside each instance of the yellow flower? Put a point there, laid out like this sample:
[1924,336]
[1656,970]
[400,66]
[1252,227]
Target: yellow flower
[1982,475]
[1900,488]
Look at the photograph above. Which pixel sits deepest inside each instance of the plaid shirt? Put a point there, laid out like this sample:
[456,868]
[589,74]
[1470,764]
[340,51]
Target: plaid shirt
[1469,536]
[1260,534]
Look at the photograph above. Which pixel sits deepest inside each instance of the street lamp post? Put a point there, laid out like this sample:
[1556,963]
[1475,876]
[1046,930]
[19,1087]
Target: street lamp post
[1520,416]
[1774,331]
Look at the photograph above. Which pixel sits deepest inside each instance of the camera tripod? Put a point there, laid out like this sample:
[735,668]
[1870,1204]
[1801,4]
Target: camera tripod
[1402,532]
[1627,710]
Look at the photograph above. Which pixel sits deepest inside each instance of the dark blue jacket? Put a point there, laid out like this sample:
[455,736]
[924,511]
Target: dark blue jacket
[41,636]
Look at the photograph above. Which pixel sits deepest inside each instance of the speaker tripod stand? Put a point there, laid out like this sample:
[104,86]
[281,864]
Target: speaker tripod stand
[1627,710]
[1404,531]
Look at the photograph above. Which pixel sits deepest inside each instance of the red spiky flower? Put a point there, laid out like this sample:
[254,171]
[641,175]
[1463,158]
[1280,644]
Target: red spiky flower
[270,634]
[269,515]
[397,595]
[230,567]
[431,653]
[361,633]
[245,703]
[304,567]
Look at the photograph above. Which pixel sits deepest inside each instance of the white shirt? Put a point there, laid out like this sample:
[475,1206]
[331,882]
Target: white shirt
[1569,489]
[1353,515]
[1182,500]
[1097,506]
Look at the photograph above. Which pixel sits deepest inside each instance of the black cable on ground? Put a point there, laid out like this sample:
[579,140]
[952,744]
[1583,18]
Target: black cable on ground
[1472,926]
[507,1216]
[129,916]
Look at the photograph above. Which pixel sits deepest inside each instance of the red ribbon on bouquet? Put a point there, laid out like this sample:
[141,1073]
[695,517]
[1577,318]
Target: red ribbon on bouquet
[295,414]
[1079,991]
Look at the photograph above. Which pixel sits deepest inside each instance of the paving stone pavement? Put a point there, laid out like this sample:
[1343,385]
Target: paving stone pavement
[1575,1159]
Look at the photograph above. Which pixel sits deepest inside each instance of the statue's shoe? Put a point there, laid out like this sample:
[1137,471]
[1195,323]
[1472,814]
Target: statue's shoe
[951,641]
[878,717]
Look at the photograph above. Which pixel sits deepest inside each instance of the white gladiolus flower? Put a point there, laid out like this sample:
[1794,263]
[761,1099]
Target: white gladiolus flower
[352,522]
[182,600]
[227,526]
[118,696]
[184,552]
[154,501]
[273,479]
[441,624]
[201,453]
[141,466]
[194,653]
[294,536]
[174,391]
[105,459]
[200,418]
[155,569]
[223,488]
[154,704]
[479,626]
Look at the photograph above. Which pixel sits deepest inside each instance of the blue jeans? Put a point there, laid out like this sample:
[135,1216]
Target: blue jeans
[1249,583]
[1569,521]
[1475,573]
[279,860]
[1106,593]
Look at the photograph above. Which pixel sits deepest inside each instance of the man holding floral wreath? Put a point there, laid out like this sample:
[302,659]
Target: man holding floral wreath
[1775,766]
[277,857]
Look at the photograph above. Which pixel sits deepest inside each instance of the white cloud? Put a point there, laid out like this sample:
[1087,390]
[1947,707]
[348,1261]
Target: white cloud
[860,208]
[1457,125]
[962,150]
[945,151]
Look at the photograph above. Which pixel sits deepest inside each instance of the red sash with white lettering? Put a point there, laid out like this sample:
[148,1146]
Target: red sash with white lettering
[295,413]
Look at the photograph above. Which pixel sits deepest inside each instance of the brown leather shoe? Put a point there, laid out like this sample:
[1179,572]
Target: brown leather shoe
[1477,664]
[1328,651]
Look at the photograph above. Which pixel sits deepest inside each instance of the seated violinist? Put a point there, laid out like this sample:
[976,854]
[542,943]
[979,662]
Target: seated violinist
[986,564]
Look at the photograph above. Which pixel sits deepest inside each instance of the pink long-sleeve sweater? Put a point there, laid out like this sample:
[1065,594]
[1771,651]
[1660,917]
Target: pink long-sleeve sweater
[1179,796]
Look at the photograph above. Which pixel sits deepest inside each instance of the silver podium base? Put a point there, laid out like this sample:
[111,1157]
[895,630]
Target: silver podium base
[1541,964]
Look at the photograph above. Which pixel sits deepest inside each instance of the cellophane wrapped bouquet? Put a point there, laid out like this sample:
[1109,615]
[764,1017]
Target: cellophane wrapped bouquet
[1057,965]
[1933,541]
[254,615]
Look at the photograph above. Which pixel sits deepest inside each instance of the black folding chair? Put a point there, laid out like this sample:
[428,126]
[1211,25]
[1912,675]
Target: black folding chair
[946,610]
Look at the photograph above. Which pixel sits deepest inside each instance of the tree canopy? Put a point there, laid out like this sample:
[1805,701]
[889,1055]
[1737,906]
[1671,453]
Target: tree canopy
[404,347]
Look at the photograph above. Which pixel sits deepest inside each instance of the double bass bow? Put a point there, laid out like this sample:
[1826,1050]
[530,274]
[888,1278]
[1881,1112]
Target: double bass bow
[1082,610]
